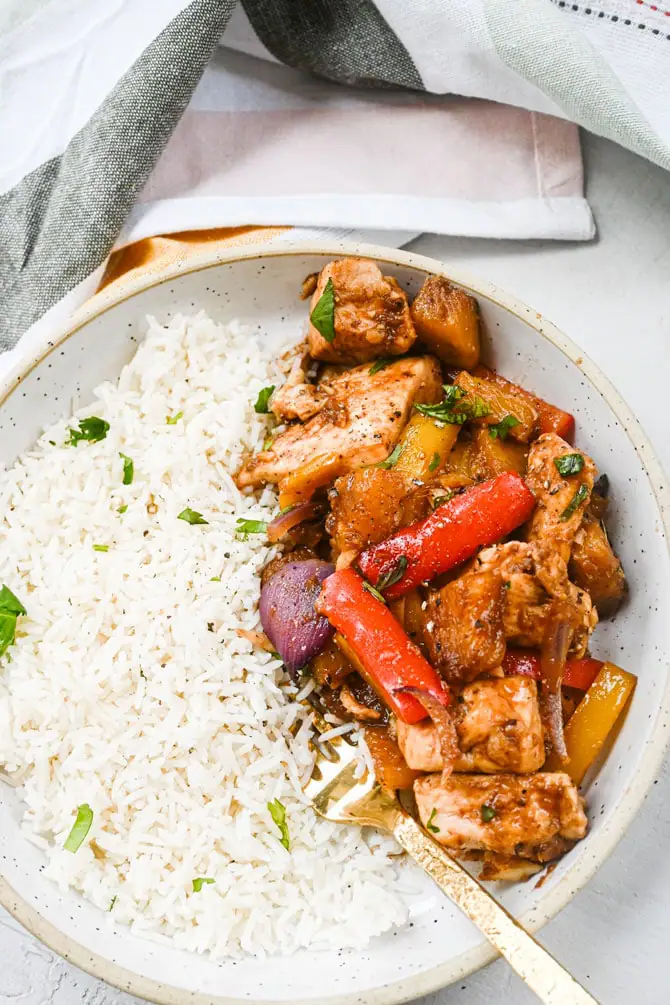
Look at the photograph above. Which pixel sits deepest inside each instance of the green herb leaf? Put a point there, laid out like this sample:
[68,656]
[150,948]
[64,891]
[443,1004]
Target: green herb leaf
[569,464]
[501,429]
[250,526]
[391,459]
[191,516]
[200,881]
[172,420]
[278,814]
[122,509]
[373,591]
[444,411]
[111,904]
[275,655]
[80,828]
[10,603]
[10,608]
[92,429]
[394,574]
[215,579]
[430,826]
[323,315]
[128,469]
[100,547]
[578,498]
[380,364]
[7,632]
[435,462]
[264,395]
[441,500]
[52,442]
[487,813]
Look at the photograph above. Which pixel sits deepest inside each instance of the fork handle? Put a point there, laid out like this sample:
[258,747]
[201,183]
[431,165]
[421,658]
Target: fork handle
[541,972]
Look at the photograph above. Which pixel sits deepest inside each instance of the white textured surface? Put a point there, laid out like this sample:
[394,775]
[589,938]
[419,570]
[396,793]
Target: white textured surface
[611,297]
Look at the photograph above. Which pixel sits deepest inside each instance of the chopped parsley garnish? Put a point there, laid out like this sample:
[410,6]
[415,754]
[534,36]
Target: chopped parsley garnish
[275,655]
[373,591]
[430,826]
[441,500]
[487,813]
[191,516]
[128,469]
[200,881]
[500,430]
[122,509]
[215,579]
[264,396]
[111,904]
[392,458]
[323,315]
[92,429]
[278,814]
[578,498]
[247,527]
[569,464]
[455,398]
[172,420]
[100,547]
[434,462]
[394,574]
[80,828]
[379,364]
[10,608]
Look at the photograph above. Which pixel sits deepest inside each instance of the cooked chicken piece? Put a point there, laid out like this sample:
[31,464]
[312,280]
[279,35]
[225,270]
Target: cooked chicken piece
[531,816]
[561,500]
[372,316]
[463,630]
[297,401]
[360,423]
[507,868]
[595,568]
[365,508]
[533,576]
[298,398]
[498,725]
[447,321]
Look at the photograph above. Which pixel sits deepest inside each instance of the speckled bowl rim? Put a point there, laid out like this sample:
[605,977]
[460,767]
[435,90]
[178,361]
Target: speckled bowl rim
[601,845]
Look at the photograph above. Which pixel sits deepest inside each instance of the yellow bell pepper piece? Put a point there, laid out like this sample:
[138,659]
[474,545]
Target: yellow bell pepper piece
[589,726]
[425,447]
[301,484]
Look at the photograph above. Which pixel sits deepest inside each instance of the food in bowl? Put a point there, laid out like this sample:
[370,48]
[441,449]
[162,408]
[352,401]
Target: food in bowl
[158,746]
[445,563]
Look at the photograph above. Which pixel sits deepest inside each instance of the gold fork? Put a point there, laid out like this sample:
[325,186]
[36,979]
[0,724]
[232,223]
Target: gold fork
[338,795]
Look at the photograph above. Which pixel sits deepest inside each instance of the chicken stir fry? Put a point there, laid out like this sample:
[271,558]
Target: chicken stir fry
[444,564]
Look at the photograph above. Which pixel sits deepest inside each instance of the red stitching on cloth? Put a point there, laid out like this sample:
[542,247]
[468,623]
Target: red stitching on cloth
[652,6]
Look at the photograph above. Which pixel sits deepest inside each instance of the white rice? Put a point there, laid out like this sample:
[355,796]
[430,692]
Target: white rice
[129,688]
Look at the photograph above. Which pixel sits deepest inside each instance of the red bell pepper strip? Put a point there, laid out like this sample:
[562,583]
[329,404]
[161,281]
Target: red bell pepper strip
[578,673]
[550,418]
[451,534]
[384,653]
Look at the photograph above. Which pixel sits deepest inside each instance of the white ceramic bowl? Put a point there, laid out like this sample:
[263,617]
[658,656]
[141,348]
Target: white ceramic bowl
[260,286]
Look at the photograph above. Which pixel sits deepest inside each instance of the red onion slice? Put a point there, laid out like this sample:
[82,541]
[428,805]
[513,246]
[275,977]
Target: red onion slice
[444,724]
[288,614]
[290,518]
[555,646]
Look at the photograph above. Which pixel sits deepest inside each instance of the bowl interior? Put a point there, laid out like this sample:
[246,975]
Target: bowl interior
[440,945]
